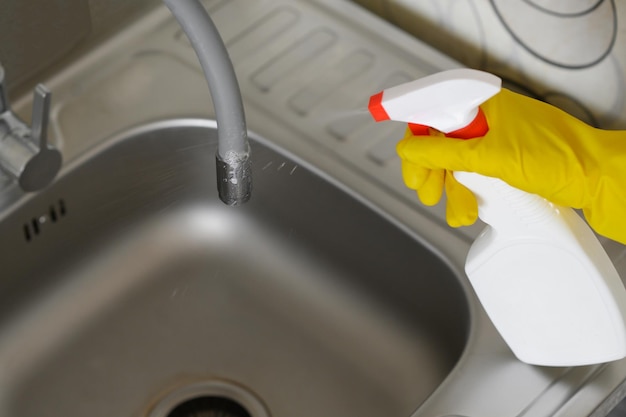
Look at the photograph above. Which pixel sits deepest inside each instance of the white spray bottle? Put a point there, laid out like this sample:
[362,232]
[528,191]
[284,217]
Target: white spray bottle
[540,273]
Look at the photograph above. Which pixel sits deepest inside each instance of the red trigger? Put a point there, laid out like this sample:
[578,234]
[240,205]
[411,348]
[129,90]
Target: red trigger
[419,130]
[477,128]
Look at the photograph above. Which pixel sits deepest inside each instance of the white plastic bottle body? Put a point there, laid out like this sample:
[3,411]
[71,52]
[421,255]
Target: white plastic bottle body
[544,279]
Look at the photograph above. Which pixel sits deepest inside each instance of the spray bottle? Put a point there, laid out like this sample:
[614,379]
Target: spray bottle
[538,270]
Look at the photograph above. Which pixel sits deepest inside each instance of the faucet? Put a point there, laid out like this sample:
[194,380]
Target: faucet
[24,152]
[26,156]
[233,152]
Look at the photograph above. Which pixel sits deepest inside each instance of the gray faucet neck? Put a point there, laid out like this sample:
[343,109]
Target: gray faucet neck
[234,181]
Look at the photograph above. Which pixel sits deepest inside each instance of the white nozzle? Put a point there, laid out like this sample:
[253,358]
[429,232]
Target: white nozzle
[446,101]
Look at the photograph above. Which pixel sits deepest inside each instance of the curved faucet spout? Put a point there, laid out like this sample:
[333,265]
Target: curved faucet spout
[233,164]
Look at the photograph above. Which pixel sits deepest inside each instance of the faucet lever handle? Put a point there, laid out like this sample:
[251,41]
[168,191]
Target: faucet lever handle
[41,114]
[24,151]
[43,166]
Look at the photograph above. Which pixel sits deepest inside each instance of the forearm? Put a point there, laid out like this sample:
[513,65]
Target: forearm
[607,211]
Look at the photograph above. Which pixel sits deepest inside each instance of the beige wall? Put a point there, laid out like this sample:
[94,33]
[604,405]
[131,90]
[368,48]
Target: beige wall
[36,34]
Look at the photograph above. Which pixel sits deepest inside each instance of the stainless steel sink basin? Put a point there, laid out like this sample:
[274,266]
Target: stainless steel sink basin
[128,287]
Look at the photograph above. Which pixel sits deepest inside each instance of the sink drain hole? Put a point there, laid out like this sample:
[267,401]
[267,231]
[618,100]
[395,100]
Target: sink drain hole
[212,398]
[209,407]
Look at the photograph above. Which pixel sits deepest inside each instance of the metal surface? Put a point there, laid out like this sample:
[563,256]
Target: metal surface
[146,282]
[234,179]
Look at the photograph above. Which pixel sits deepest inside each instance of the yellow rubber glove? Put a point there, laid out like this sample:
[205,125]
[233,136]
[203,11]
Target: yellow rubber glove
[532,146]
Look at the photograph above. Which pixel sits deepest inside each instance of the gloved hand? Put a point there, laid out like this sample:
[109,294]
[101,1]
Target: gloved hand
[534,147]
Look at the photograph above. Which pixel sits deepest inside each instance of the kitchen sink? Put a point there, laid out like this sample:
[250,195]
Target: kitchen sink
[128,289]
[128,283]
